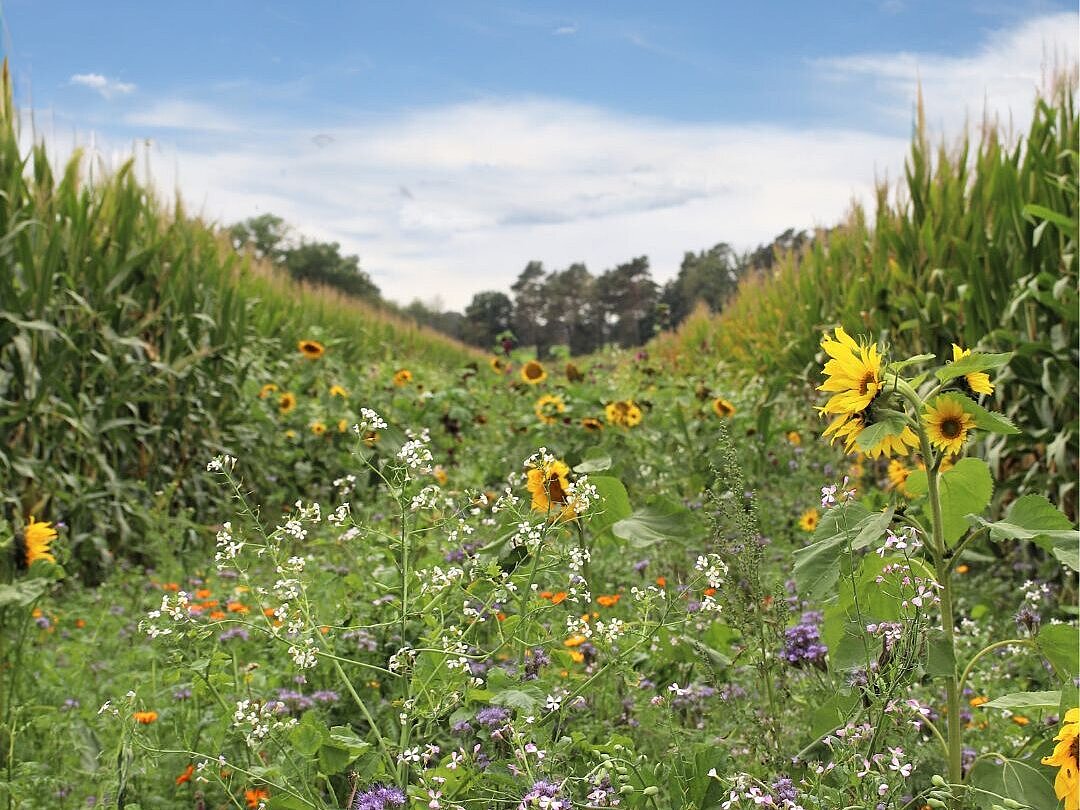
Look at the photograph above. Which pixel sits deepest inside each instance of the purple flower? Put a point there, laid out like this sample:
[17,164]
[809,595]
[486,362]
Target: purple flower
[802,643]
[492,716]
[784,789]
[234,632]
[378,797]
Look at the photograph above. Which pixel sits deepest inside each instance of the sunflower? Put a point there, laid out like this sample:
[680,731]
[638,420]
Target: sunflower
[402,377]
[286,402]
[548,408]
[592,424]
[338,391]
[145,718]
[853,374]
[722,408]
[847,427]
[498,365]
[1066,758]
[633,415]
[573,373]
[898,473]
[318,428]
[311,349]
[33,543]
[267,390]
[615,412]
[947,424]
[343,426]
[808,520]
[533,373]
[549,486]
[977,381]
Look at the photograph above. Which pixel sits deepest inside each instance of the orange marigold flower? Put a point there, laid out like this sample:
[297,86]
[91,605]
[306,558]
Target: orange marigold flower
[217,615]
[186,775]
[661,581]
[254,796]
[146,718]
[558,598]
[609,600]
[202,593]
[237,607]
[975,702]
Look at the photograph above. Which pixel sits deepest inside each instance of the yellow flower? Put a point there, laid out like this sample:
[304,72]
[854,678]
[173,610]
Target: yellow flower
[439,473]
[947,424]
[898,473]
[722,408]
[338,391]
[498,365]
[1066,758]
[977,381]
[793,437]
[267,390]
[592,424]
[808,521]
[37,537]
[402,377]
[533,373]
[311,349]
[286,402]
[853,374]
[550,487]
[318,428]
[847,427]
[633,415]
[342,426]
[548,408]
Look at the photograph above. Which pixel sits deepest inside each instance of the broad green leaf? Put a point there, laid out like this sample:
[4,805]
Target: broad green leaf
[817,567]
[984,419]
[1034,518]
[940,659]
[23,593]
[965,489]
[659,522]
[974,362]
[1058,644]
[1026,700]
[902,364]
[615,503]
[873,435]
[1030,785]
[594,461]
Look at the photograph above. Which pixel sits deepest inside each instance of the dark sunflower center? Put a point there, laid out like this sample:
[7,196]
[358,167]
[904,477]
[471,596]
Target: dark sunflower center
[864,383]
[532,372]
[555,491]
[951,428]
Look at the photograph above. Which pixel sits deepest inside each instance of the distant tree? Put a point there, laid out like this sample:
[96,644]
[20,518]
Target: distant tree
[710,276]
[528,293]
[487,316]
[322,263]
[569,309]
[627,297]
[266,235]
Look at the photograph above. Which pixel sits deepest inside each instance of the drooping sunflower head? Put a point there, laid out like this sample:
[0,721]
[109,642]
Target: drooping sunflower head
[549,484]
[311,349]
[338,391]
[498,365]
[267,390]
[34,543]
[343,426]
[808,520]
[286,402]
[947,424]
[899,444]
[978,382]
[898,473]
[402,377]
[844,428]
[548,408]
[852,374]
[1066,758]
[533,373]
[592,424]
[573,373]
[723,408]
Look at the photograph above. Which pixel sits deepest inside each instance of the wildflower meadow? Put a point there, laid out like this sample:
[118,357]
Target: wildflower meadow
[267,546]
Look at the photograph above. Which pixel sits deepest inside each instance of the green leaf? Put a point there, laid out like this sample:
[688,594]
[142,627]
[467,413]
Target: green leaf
[940,659]
[1026,700]
[24,593]
[659,522]
[1057,643]
[308,735]
[873,435]
[615,503]
[1034,518]
[817,567]
[965,489]
[1029,785]
[902,364]
[971,364]
[594,461]
[984,419]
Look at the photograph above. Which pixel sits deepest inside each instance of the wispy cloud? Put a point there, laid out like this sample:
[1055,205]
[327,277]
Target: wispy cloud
[176,114]
[565,30]
[1001,77]
[108,88]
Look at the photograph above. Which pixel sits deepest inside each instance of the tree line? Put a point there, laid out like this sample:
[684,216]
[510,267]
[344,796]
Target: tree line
[621,306]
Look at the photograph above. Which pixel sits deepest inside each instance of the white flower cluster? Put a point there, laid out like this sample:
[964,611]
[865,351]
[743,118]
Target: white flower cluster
[610,630]
[229,547]
[427,498]
[220,464]
[257,719]
[578,558]
[528,535]
[401,658]
[369,420]
[176,610]
[415,452]
[906,540]
[434,579]
[345,484]
[339,515]
[304,656]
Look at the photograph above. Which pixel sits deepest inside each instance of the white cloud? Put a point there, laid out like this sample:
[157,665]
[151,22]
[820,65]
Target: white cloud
[1000,77]
[106,87]
[565,30]
[451,200]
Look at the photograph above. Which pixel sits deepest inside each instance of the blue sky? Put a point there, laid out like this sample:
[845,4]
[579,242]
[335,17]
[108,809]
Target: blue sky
[449,143]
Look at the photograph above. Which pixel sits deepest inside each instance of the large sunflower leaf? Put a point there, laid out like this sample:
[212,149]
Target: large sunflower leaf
[972,364]
[1034,518]
[873,435]
[984,419]
[965,490]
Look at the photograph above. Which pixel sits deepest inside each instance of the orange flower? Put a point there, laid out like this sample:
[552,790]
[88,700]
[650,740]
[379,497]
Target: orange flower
[710,592]
[186,775]
[211,603]
[1020,720]
[202,593]
[80,623]
[608,601]
[978,701]
[575,640]
[963,568]
[217,615]
[254,796]
[237,607]
[146,718]
[558,598]
[661,581]
[171,587]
